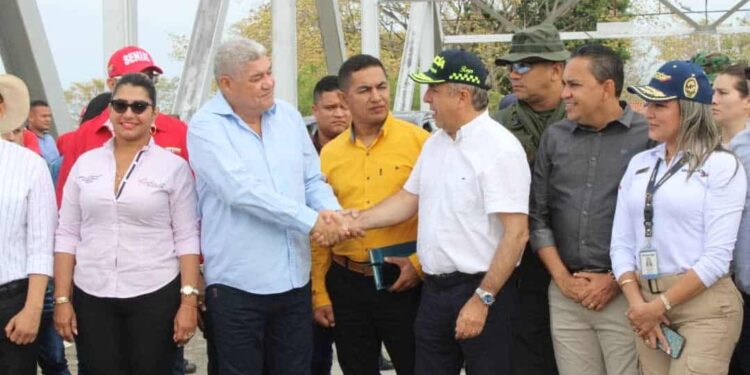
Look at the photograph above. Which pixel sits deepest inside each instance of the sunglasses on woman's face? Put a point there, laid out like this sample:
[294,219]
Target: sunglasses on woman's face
[121,106]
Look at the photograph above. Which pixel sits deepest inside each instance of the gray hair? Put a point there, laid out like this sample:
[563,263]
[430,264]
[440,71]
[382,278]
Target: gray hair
[479,97]
[232,55]
[698,135]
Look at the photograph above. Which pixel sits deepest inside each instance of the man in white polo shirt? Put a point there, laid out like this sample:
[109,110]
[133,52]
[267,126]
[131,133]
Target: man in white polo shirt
[471,186]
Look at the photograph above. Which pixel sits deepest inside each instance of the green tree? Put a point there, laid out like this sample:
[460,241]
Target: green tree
[79,94]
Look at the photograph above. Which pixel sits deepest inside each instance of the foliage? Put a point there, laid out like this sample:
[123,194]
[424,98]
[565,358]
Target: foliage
[79,94]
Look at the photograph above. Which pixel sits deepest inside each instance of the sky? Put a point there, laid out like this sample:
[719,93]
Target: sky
[74,30]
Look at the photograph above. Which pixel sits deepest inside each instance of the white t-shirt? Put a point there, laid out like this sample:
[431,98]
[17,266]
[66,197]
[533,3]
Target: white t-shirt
[461,185]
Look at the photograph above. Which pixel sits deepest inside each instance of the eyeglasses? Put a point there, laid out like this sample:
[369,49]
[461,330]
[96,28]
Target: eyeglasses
[121,106]
[520,67]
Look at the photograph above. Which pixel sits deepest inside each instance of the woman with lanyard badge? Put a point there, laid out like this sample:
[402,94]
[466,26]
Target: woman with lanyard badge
[678,211]
[127,246]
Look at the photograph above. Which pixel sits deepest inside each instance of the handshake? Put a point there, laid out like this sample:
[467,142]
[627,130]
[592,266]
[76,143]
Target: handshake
[333,227]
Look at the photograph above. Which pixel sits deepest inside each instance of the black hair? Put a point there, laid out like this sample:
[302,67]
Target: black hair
[137,80]
[605,64]
[96,106]
[740,80]
[39,103]
[326,84]
[355,64]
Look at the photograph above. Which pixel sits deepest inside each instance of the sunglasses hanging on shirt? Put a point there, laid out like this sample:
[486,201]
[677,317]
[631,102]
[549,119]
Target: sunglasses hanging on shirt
[121,106]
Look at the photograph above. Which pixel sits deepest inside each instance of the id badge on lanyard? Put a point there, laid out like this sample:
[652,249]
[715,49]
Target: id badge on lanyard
[649,262]
[647,257]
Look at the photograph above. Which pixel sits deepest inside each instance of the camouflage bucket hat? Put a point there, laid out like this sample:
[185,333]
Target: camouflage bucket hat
[541,42]
[712,63]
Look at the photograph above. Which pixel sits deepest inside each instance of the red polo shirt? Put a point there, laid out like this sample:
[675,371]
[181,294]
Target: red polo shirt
[170,133]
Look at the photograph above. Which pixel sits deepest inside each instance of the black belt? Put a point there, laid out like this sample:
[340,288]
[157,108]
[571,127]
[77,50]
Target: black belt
[453,278]
[591,270]
[13,287]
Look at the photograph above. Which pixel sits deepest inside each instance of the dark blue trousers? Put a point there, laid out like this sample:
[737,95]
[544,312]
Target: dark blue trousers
[438,352]
[248,328]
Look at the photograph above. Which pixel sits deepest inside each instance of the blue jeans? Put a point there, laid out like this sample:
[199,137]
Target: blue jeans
[51,357]
[248,328]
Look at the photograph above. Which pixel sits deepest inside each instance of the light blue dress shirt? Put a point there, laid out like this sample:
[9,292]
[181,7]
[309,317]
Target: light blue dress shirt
[740,145]
[258,196]
[48,147]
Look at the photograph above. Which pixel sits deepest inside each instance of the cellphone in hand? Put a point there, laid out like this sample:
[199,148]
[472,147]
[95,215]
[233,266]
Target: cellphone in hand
[675,340]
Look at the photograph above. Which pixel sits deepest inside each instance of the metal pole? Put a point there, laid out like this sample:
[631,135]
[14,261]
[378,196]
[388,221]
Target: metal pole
[120,26]
[197,76]
[25,53]
[370,28]
[284,33]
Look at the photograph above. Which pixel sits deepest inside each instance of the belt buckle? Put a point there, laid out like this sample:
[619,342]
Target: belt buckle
[653,286]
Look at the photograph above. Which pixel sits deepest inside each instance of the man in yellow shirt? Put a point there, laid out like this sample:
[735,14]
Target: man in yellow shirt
[365,164]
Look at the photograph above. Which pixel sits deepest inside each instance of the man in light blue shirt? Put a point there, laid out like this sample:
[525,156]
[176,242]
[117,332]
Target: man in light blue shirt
[39,123]
[260,191]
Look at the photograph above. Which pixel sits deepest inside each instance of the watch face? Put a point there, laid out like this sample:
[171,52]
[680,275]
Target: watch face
[488,299]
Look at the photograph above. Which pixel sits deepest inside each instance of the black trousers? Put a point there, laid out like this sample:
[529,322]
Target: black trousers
[365,318]
[532,343]
[438,352]
[253,333]
[740,364]
[15,359]
[123,336]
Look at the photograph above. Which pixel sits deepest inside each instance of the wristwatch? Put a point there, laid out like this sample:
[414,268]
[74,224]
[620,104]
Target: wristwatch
[189,290]
[486,297]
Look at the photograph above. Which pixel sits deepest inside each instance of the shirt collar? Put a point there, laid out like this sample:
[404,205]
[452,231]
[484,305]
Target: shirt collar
[626,119]
[220,106]
[470,127]
[384,129]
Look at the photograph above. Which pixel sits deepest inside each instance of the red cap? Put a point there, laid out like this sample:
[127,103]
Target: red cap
[130,59]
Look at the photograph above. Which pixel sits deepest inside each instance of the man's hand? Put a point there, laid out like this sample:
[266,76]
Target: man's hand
[333,227]
[408,278]
[23,327]
[601,289]
[327,230]
[471,319]
[65,321]
[323,315]
[572,287]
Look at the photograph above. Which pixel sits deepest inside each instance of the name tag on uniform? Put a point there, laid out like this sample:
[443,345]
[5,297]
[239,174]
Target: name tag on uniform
[649,263]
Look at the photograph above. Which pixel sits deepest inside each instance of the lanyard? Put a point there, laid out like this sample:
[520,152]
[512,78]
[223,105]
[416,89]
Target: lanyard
[648,209]
[127,175]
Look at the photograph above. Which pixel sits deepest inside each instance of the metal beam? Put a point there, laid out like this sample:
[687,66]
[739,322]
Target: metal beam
[728,14]
[613,30]
[120,26]
[562,9]
[678,12]
[25,53]
[284,36]
[496,15]
[431,45]
[370,27]
[196,79]
[332,33]
[410,57]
